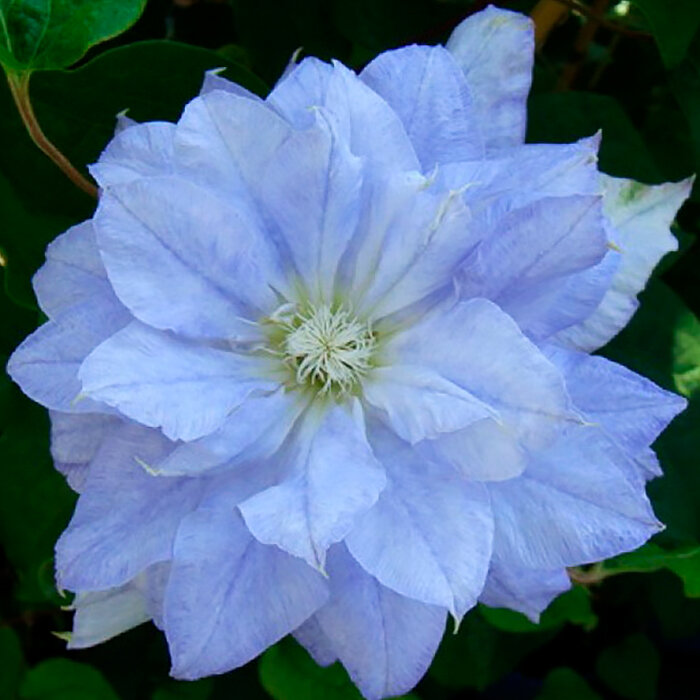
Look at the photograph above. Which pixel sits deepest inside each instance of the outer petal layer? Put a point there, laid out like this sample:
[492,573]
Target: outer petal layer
[230,597]
[495,49]
[384,640]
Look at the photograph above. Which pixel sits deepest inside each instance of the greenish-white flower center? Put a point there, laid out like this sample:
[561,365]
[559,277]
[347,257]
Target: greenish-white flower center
[328,348]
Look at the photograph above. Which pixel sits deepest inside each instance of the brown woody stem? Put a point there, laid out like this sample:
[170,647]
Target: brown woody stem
[19,87]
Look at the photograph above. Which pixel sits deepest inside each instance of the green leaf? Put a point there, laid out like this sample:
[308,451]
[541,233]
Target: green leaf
[673,24]
[11,663]
[650,346]
[630,668]
[685,85]
[152,80]
[479,654]
[35,502]
[573,607]
[684,562]
[61,679]
[563,117]
[566,683]
[287,672]
[51,34]
[185,690]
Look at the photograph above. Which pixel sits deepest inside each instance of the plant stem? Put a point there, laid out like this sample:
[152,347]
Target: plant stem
[19,87]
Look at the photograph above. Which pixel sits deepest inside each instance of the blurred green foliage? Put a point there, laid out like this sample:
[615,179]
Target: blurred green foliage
[633,631]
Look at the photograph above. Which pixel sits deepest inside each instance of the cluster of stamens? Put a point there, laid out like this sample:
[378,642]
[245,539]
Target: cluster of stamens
[327,348]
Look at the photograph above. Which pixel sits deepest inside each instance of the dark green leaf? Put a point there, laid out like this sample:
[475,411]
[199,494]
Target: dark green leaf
[185,690]
[479,654]
[566,684]
[630,668]
[35,502]
[684,562]
[50,34]
[61,679]
[11,663]
[573,607]
[563,117]
[153,80]
[673,24]
[287,672]
[649,345]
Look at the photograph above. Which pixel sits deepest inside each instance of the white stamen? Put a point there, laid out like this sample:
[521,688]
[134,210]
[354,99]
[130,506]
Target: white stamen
[328,348]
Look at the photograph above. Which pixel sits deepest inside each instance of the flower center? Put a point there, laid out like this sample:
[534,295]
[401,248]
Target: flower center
[328,348]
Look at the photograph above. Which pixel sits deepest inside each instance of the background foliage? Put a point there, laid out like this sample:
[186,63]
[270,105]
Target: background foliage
[631,629]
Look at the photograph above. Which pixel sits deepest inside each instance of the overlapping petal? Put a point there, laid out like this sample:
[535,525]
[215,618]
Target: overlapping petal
[429,535]
[219,567]
[186,389]
[332,477]
[126,519]
[495,49]
[385,641]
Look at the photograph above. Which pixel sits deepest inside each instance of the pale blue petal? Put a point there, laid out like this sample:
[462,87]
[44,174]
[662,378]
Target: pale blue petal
[426,88]
[229,597]
[520,176]
[125,519]
[186,390]
[101,615]
[429,535]
[641,216]
[574,504]
[254,431]
[181,259]
[141,150]
[496,48]
[75,440]
[415,241]
[418,403]
[487,450]
[536,247]
[477,346]
[629,408]
[360,117]
[385,641]
[305,183]
[214,81]
[332,478]
[73,274]
[528,591]
[46,363]
[313,639]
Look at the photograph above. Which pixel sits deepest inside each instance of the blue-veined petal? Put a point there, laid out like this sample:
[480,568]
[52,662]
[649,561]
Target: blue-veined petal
[528,591]
[641,216]
[181,259]
[230,597]
[141,150]
[426,88]
[476,345]
[385,640]
[495,49]
[418,403]
[46,364]
[187,390]
[254,431]
[332,477]
[429,535]
[126,518]
[573,504]
[361,117]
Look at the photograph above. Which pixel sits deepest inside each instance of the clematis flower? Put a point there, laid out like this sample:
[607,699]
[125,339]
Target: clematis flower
[319,364]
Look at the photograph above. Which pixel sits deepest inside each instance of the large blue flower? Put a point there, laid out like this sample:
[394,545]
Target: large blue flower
[319,363]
